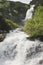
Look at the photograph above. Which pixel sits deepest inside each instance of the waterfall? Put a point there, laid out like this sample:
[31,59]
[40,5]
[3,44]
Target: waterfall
[16,49]
[29,12]
[23,1]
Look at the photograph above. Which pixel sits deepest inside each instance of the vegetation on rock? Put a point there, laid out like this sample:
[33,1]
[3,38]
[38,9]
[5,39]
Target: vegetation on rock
[34,26]
[15,11]
[11,14]
[7,24]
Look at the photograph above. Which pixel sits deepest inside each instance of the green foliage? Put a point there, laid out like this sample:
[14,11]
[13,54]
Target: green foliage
[6,24]
[15,11]
[5,4]
[0,0]
[11,24]
[1,6]
[34,26]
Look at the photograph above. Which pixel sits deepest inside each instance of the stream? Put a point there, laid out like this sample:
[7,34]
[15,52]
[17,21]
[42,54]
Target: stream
[16,49]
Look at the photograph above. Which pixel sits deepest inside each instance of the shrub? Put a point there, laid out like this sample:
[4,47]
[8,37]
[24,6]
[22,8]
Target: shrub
[7,24]
[11,24]
[34,26]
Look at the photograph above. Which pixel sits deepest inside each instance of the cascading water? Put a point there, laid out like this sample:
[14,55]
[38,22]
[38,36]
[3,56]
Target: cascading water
[29,12]
[23,1]
[16,49]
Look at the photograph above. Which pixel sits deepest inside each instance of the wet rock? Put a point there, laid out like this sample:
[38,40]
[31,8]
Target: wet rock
[38,38]
[34,51]
[31,38]
[2,36]
[41,61]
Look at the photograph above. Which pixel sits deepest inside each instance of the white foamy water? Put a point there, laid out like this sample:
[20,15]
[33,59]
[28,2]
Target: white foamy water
[16,49]
[23,1]
[29,12]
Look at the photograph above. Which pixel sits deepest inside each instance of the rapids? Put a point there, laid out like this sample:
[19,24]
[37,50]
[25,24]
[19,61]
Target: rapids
[17,50]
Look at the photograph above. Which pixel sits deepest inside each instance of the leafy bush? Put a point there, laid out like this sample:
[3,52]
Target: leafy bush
[34,26]
[6,24]
[11,24]
[5,4]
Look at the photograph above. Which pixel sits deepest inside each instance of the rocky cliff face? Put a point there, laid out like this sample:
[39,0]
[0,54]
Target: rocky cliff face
[37,2]
[15,11]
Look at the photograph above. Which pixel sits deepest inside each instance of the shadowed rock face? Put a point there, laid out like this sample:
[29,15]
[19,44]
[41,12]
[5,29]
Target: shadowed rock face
[15,11]
[37,2]
[2,36]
